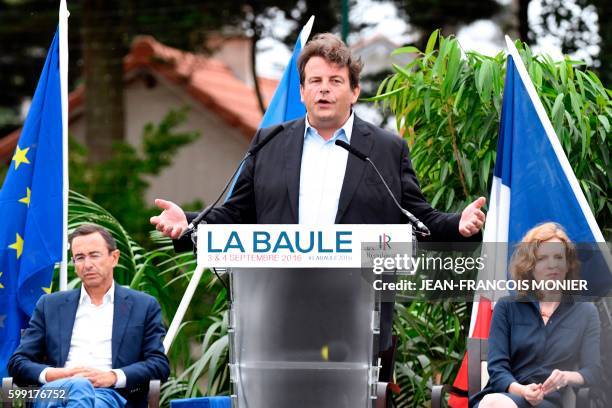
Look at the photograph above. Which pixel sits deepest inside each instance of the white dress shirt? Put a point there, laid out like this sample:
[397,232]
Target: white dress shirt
[322,174]
[91,344]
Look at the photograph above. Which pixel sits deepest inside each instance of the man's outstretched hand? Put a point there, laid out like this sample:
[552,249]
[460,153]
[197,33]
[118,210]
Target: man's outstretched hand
[472,218]
[172,221]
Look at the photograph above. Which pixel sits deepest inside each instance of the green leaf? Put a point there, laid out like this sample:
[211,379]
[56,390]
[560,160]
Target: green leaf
[604,121]
[563,73]
[439,68]
[427,104]
[405,73]
[406,50]
[449,200]
[385,95]
[537,75]
[444,171]
[575,101]
[453,66]
[597,87]
[467,169]
[431,42]
[483,80]
[382,86]
[485,168]
[458,98]
[557,112]
[436,198]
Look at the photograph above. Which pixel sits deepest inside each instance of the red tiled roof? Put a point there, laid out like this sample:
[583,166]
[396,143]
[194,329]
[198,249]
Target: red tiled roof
[207,80]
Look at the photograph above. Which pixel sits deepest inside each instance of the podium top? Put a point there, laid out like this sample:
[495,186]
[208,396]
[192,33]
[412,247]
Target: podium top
[300,246]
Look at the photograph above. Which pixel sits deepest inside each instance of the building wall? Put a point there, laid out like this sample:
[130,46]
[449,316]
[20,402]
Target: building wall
[201,168]
[235,52]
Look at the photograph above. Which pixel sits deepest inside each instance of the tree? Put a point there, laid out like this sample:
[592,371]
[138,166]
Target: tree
[26,31]
[100,35]
[447,15]
[103,51]
[571,22]
[604,11]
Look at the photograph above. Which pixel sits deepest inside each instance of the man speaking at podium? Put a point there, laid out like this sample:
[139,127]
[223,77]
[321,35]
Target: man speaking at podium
[302,176]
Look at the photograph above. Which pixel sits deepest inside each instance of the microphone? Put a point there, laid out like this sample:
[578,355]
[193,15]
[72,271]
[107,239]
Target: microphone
[252,152]
[352,150]
[265,141]
[414,221]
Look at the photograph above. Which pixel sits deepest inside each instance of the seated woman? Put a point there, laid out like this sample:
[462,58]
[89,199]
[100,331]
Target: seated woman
[541,341]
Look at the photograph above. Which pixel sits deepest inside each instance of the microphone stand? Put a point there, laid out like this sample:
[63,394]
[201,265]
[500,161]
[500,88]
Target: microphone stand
[417,225]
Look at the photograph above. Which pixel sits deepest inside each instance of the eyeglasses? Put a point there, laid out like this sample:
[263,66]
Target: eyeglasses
[93,256]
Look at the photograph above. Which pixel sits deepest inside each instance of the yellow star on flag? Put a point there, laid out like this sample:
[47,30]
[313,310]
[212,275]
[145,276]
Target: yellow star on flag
[1,286]
[48,290]
[20,157]
[17,245]
[26,199]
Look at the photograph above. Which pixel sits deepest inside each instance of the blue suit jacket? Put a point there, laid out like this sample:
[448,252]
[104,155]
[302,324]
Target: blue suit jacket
[137,346]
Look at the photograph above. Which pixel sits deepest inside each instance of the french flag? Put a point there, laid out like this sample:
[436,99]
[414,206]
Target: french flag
[533,183]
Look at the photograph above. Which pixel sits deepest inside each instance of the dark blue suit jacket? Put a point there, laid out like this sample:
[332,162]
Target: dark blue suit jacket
[137,346]
[267,190]
[524,350]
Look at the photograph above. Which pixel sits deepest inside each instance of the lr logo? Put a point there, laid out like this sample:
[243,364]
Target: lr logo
[383,241]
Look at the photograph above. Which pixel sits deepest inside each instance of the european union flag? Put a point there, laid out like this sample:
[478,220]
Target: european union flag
[31,206]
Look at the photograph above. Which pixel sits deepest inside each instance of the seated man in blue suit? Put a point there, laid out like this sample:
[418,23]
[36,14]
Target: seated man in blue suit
[102,343]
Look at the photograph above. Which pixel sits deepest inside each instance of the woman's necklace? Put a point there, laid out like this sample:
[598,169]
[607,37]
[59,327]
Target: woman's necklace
[547,314]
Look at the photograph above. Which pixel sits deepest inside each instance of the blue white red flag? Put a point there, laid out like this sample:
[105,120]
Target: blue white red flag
[533,183]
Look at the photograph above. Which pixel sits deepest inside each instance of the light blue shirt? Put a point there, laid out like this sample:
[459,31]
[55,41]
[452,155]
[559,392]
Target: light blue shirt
[322,174]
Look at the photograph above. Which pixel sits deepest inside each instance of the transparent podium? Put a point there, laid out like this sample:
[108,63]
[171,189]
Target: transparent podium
[304,315]
[303,338]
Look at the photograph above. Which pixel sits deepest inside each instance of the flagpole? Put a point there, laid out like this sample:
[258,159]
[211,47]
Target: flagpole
[177,320]
[63,63]
[306,31]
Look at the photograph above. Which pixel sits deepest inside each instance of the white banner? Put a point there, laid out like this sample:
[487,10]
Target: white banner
[300,246]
